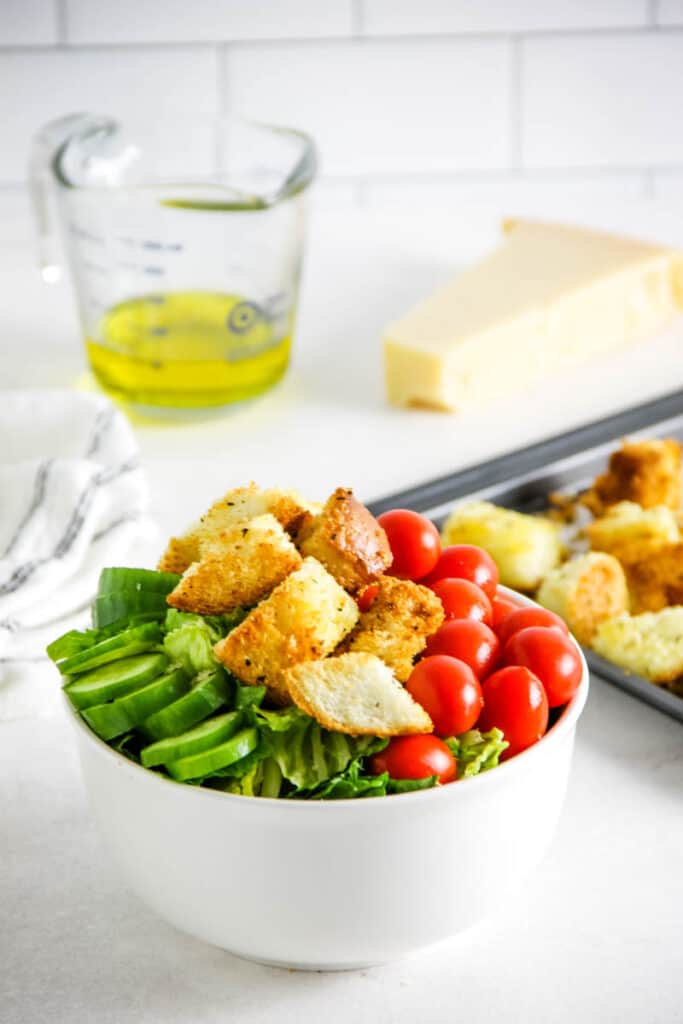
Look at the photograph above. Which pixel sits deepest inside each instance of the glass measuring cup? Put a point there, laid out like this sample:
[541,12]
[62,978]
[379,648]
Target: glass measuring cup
[185,241]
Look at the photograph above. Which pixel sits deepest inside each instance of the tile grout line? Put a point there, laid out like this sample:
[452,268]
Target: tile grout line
[62,22]
[357,19]
[645,29]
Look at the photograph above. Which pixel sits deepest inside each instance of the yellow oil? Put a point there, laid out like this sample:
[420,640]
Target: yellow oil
[187,350]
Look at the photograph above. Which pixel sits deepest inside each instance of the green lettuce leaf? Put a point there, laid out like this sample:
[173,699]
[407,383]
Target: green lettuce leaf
[477,752]
[307,754]
[351,783]
[189,640]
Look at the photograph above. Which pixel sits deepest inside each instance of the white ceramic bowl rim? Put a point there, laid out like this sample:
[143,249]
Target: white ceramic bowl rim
[561,727]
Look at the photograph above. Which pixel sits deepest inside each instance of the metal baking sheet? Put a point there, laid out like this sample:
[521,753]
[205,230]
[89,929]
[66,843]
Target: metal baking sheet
[523,479]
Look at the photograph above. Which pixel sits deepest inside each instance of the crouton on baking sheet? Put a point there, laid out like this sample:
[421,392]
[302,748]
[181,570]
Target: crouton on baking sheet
[585,591]
[649,645]
[523,547]
[645,472]
[657,579]
[356,693]
[631,533]
[396,626]
[238,567]
[347,540]
[303,619]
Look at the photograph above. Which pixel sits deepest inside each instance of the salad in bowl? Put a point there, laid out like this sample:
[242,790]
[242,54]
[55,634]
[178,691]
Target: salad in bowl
[238,710]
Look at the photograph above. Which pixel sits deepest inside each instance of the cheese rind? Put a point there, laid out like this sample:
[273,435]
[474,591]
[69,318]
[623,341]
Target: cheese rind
[548,297]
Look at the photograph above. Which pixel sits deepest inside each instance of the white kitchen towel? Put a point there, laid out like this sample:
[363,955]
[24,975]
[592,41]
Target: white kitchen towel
[73,499]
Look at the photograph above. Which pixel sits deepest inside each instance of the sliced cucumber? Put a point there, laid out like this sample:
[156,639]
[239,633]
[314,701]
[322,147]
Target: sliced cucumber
[203,699]
[116,679]
[130,641]
[217,757]
[202,737]
[107,608]
[113,580]
[110,720]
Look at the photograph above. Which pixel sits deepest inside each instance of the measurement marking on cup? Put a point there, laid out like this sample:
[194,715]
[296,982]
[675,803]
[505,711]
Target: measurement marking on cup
[154,271]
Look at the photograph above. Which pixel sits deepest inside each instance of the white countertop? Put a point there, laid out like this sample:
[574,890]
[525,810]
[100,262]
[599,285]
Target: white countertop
[595,936]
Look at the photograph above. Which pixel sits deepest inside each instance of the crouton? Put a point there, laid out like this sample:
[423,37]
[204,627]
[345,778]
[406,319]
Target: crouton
[347,540]
[649,645]
[397,624]
[585,591]
[180,553]
[632,533]
[646,472]
[657,580]
[238,567]
[525,548]
[244,503]
[356,694]
[304,619]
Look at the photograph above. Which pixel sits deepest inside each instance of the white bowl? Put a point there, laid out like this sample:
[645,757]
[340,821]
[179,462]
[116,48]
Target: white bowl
[330,885]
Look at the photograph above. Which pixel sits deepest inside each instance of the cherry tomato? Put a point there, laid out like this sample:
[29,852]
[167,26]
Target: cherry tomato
[449,692]
[367,596]
[522,618]
[551,656]
[502,606]
[462,599]
[415,757]
[466,562]
[470,641]
[516,703]
[414,543]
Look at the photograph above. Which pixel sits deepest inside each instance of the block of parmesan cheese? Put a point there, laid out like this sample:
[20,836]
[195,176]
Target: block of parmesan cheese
[549,296]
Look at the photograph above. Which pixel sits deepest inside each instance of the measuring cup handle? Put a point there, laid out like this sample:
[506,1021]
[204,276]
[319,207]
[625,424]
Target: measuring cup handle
[43,174]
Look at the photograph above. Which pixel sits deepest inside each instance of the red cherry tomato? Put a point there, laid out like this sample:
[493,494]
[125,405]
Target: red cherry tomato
[415,757]
[449,692]
[516,703]
[414,543]
[367,596]
[462,599]
[466,562]
[470,641]
[551,656]
[522,618]
[502,606]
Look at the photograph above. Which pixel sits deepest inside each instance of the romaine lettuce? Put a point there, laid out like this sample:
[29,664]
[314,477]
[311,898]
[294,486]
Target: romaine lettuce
[477,752]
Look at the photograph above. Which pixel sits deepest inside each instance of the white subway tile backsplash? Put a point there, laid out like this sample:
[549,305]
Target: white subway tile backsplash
[607,100]
[426,105]
[408,17]
[36,87]
[28,22]
[669,12]
[148,21]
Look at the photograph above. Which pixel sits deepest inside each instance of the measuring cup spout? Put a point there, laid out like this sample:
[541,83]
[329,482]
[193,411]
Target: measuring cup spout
[45,149]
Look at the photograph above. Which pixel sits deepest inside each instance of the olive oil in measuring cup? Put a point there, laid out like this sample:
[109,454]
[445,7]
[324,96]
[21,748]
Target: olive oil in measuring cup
[188,349]
[184,235]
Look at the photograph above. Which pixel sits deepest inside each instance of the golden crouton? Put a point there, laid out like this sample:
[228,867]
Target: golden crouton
[646,472]
[348,541]
[304,619]
[244,503]
[180,553]
[632,533]
[238,567]
[523,547]
[356,694]
[397,625]
[657,580]
[585,591]
[649,645]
